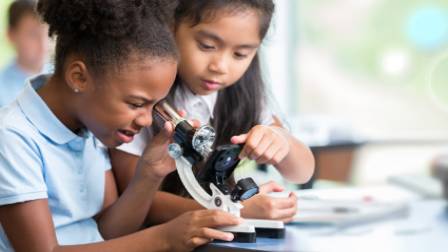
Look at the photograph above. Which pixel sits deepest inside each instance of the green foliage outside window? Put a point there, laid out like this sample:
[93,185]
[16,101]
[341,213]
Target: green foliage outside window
[6,52]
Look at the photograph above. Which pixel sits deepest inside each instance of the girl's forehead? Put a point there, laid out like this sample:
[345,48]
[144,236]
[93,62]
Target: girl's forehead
[235,14]
[242,26]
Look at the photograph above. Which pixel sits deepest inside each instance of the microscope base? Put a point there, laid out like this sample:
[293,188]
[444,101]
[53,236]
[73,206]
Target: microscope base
[243,233]
[268,228]
[273,233]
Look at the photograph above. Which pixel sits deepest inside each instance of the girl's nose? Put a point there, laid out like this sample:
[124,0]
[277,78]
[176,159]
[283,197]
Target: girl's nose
[144,119]
[218,64]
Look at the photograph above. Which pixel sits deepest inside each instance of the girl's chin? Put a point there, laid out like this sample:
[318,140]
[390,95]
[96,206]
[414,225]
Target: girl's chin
[204,91]
[110,142]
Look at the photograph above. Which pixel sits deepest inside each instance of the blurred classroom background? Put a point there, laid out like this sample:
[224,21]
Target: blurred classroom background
[364,83]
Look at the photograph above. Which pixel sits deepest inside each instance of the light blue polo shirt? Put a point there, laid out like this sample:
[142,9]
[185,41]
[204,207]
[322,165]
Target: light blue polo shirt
[41,158]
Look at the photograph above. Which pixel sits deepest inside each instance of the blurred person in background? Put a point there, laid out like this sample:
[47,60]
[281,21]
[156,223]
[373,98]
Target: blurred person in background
[28,36]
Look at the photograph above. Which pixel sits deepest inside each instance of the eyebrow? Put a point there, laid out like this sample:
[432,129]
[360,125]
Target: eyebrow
[151,101]
[217,38]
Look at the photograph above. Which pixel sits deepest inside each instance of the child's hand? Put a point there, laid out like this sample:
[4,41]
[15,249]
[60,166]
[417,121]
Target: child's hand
[196,228]
[155,159]
[264,144]
[263,206]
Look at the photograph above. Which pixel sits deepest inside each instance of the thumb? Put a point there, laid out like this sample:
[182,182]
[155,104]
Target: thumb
[292,195]
[271,187]
[195,123]
[239,139]
[182,112]
[165,134]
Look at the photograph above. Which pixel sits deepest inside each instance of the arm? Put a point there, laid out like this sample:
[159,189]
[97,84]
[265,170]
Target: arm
[29,227]
[123,167]
[127,214]
[299,156]
[165,206]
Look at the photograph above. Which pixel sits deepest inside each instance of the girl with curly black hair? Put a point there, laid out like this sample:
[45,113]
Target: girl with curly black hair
[114,60]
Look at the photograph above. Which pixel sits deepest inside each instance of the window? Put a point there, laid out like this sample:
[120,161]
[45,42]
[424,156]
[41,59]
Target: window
[374,69]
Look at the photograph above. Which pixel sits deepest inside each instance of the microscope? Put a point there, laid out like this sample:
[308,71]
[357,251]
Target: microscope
[192,146]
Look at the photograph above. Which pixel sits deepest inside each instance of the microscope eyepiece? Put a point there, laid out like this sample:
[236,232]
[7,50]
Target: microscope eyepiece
[193,143]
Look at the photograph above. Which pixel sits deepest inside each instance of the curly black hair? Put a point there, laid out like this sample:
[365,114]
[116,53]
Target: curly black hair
[106,32]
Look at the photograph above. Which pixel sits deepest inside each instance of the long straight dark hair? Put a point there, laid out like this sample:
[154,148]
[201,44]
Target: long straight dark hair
[238,107]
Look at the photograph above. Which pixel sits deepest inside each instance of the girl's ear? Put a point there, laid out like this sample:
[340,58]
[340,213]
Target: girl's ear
[77,76]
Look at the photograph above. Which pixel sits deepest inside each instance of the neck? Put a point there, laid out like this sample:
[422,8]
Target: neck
[61,102]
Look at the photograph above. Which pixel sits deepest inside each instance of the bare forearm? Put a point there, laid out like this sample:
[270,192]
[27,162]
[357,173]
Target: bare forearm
[145,240]
[128,213]
[298,165]
[167,206]
[29,227]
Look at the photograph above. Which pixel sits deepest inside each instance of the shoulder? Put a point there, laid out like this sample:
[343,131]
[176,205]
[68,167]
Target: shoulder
[15,127]
[12,118]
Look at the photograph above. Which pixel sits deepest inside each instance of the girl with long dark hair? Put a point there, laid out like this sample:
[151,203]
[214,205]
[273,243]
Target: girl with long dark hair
[219,82]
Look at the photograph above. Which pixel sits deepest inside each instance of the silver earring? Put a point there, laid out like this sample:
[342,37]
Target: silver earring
[76,90]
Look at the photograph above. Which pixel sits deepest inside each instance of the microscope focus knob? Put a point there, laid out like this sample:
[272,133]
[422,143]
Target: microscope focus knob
[175,150]
[244,189]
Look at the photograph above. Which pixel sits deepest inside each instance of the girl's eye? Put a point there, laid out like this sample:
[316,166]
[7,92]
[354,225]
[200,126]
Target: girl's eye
[205,46]
[240,55]
[136,105]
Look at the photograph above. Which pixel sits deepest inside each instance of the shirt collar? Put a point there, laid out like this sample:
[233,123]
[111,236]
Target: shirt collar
[189,99]
[40,115]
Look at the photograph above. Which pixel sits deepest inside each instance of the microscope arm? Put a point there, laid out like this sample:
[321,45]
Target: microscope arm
[217,200]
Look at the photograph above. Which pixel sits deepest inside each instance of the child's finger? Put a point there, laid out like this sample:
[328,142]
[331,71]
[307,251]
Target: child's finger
[217,218]
[182,112]
[195,123]
[282,214]
[292,195]
[284,203]
[271,186]
[287,220]
[210,233]
[269,155]
[252,142]
[164,135]
[168,130]
[260,150]
[239,139]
